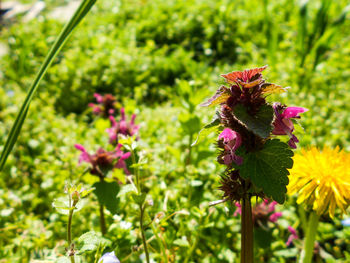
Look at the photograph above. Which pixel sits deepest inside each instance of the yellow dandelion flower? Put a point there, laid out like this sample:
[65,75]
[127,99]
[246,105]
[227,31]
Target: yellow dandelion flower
[321,179]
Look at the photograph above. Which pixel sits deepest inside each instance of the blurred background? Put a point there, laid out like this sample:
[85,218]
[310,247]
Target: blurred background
[160,59]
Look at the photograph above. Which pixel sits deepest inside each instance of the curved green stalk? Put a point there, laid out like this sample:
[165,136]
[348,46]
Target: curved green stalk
[309,242]
[79,14]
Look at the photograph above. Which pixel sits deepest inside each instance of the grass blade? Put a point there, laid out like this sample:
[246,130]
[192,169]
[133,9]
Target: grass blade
[79,14]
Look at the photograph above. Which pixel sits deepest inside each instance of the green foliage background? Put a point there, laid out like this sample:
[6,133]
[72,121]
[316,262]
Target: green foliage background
[161,59]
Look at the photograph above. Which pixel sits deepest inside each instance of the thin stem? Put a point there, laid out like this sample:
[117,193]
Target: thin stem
[160,243]
[247,253]
[309,242]
[102,216]
[69,230]
[136,171]
[144,241]
[102,220]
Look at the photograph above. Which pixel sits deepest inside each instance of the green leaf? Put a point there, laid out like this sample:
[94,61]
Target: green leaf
[107,195]
[268,168]
[181,242]
[221,96]
[90,241]
[139,198]
[207,129]
[62,205]
[260,123]
[79,14]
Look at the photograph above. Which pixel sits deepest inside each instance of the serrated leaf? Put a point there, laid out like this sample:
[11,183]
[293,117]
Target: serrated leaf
[268,168]
[107,195]
[271,88]
[62,205]
[181,243]
[90,241]
[221,96]
[207,129]
[260,123]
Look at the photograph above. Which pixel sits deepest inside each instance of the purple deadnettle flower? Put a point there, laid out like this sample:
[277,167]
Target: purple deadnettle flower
[105,105]
[283,124]
[293,235]
[109,258]
[232,140]
[103,161]
[262,212]
[122,127]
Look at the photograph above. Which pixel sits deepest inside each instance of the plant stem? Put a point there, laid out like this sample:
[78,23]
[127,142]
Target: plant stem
[102,215]
[102,220]
[247,253]
[160,243]
[309,242]
[136,172]
[69,230]
[144,241]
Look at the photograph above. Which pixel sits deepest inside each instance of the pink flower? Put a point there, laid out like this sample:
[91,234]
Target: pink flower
[105,106]
[293,235]
[232,140]
[283,124]
[122,127]
[103,161]
[274,217]
[238,210]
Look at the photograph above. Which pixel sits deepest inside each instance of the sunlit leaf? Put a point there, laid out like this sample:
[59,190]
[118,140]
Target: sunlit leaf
[208,129]
[221,96]
[267,168]
[273,89]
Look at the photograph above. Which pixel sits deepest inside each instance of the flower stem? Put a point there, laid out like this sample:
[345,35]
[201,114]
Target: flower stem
[309,242]
[102,215]
[102,220]
[136,171]
[247,255]
[144,241]
[69,230]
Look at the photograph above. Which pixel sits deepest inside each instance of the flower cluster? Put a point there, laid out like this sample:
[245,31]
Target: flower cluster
[106,105]
[249,122]
[122,127]
[104,161]
[262,212]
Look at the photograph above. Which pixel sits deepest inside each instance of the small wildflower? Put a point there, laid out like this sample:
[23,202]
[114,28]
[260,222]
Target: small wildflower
[109,258]
[262,212]
[122,127]
[231,140]
[283,124]
[293,235]
[103,161]
[238,209]
[106,105]
[321,179]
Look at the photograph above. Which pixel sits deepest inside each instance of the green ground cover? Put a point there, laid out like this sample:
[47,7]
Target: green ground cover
[161,59]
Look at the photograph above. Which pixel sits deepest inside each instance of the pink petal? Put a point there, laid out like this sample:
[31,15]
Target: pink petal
[112,120]
[292,112]
[228,135]
[273,218]
[133,119]
[80,147]
[98,97]
[122,112]
[125,156]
